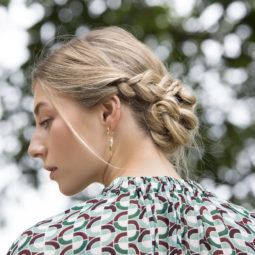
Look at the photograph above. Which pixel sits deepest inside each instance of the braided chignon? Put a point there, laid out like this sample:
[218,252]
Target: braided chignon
[169,116]
[112,61]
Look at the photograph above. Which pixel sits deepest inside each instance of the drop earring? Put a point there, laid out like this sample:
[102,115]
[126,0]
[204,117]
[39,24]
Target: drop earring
[110,141]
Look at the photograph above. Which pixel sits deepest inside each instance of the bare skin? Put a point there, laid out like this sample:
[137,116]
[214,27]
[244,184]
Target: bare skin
[134,153]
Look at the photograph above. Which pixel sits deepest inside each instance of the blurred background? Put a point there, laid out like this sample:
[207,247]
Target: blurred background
[209,45]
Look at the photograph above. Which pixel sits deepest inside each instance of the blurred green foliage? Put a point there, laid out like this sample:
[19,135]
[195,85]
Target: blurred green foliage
[4,2]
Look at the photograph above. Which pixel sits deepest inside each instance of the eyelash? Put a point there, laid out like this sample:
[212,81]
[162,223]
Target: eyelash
[43,122]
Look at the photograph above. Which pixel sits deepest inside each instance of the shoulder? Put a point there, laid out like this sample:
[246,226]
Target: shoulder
[57,231]
[210,223]
[210,204]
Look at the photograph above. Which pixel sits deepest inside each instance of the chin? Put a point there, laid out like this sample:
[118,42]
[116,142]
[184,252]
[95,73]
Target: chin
[72,187]
[68,191]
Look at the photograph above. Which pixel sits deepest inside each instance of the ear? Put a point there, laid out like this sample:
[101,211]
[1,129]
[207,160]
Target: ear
[110,111]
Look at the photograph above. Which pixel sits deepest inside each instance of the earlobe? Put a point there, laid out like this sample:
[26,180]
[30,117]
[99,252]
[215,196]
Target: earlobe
[110,114]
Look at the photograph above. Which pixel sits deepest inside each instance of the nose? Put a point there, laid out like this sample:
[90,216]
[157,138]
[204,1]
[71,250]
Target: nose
[36,149]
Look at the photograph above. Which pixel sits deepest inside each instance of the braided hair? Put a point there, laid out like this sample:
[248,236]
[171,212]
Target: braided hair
[110,60]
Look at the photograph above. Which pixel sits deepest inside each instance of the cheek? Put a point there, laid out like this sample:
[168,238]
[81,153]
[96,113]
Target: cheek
[79,166]
[60,136]
[92,133]
[64,142]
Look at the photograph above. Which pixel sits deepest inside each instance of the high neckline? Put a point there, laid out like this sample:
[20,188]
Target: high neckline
[152,184]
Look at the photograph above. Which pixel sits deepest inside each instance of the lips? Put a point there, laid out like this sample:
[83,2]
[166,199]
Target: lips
[52,170]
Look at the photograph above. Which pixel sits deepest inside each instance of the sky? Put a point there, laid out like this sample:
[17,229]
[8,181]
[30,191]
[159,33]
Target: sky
[25,206]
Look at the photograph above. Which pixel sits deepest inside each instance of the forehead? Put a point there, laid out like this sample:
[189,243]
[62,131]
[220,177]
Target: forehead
[54,101]
[41,99]
[40,94]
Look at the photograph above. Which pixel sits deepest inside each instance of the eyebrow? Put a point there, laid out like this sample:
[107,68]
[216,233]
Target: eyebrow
[38,106]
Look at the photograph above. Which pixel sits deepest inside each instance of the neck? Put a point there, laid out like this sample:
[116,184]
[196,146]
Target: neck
[146,161]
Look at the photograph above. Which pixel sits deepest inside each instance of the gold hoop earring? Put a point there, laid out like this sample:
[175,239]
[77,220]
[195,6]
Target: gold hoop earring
[110,141]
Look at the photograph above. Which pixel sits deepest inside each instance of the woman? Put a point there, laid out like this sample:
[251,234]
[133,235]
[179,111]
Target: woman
[108,111]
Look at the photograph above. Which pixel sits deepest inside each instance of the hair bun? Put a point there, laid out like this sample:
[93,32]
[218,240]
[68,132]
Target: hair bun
[169,113]
[172,120]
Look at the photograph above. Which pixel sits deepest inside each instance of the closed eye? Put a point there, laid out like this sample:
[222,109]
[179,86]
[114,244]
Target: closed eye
[45,123]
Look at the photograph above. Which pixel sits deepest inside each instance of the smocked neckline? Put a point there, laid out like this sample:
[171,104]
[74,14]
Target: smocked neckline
[152,183]
[118,180]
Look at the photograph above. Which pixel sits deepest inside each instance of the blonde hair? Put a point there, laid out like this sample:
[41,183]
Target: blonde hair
[109,61]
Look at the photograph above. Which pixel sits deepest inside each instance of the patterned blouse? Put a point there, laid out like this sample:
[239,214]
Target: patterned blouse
[144,215]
